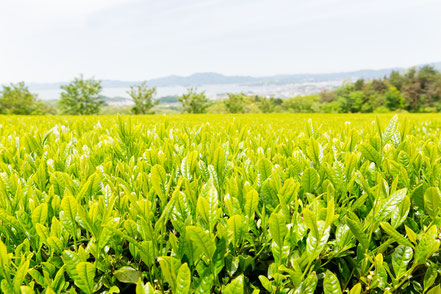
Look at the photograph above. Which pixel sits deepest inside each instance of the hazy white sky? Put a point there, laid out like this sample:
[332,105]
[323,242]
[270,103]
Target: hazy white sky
[55,40]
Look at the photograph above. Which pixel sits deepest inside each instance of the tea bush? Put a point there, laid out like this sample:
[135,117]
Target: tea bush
[220,204]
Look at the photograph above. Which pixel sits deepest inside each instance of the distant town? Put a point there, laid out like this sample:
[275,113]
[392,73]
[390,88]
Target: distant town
[216,86]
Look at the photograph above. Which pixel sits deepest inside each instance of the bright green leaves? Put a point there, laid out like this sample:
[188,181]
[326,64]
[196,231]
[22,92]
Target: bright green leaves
[183,280]
[127,274]
[432,201]
[229,206]
[235,287]
[169,268]
[264,168]
[310,180]
[389,205]
[208,206]
[277,228]
[85,276]
[144,289]
[319,232]
[380,275]
[189,165]
[401,258]
[68,214]
[357,230]
[430,276]
[309,284]
[370,153]
[236,228]
[202,240]
[159,182]
[331,285]
[395,234]
[314,151]
[20,276]
[427,245]
[391,132]
[310,221]
[55,244]
[251,203]
[4,261]
[40,214]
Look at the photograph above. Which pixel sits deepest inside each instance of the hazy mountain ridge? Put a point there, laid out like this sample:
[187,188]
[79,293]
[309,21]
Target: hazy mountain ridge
[210,78]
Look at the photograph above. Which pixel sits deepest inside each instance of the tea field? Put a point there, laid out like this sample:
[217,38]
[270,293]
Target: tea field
[280,203]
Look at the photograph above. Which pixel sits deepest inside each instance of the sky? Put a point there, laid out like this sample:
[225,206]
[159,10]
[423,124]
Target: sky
[56,40]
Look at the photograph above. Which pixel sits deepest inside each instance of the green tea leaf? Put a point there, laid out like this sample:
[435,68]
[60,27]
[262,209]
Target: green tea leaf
[278,229]
[127,274]
[401,257]
[183,280]
[394,234]
[310,180]
[331,285]
[357,230]
[235,287]
[432,201]
[202,240]
[86,276]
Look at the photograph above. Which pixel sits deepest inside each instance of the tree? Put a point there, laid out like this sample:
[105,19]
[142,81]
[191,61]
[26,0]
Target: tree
[81,96]
[393,99]
[309,103]
[395,79]
[194,102]
[266,105]
[358,85]
[17,99]
[142,96]
[235,103]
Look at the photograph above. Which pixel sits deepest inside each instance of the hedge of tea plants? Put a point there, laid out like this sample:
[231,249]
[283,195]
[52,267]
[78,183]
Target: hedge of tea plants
[220,204]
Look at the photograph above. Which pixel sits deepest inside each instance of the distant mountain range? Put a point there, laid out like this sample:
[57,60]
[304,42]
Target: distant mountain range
[200,79]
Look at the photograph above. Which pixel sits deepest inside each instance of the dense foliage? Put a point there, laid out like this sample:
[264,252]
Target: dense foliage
[416,90]
[194,101]
[210,204]
[142,97]
[17,99]
[81,96]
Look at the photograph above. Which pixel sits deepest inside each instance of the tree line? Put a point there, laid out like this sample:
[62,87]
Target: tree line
[415,90]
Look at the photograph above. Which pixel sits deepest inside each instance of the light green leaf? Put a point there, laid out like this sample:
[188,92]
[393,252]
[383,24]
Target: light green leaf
[69,205]
[356,289]
[169,268]
[391,204]
[183,280]
[401,257]
[370,153]
[127,274]
[264,168]
[202,240]
[278,229]
[40,213]
[391,130]
[310,180]
[357,230]
[331,285]
[159,182]
[20,276]
[251,202]
[395,234]
[86,276]
[235,287]
[432,201]
[235,227]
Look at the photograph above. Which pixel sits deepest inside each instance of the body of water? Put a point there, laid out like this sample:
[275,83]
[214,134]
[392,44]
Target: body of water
[215,91]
